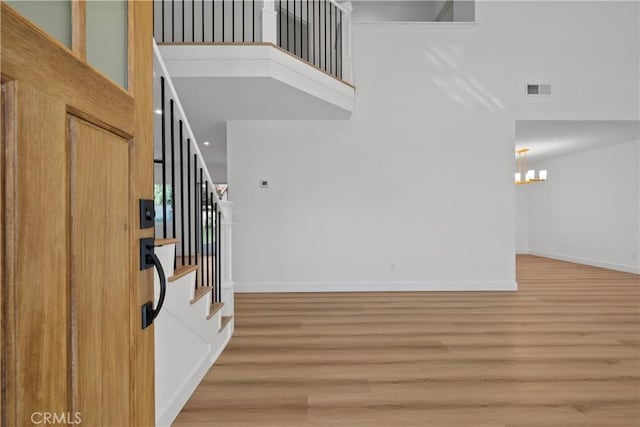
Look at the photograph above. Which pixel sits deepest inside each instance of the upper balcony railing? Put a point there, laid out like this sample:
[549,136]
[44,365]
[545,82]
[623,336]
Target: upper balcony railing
[315,31]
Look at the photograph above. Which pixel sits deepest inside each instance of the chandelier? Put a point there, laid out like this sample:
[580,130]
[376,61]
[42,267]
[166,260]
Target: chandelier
[524,175]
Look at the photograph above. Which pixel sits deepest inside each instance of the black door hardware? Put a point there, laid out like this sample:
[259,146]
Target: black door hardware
[147,213]
[149,259]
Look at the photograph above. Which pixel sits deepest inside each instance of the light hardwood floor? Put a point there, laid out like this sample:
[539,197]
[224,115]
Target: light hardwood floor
[563,351]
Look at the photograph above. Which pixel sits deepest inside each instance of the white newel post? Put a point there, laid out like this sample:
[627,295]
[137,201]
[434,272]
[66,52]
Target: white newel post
[226,224]
[347,64]
[269,22]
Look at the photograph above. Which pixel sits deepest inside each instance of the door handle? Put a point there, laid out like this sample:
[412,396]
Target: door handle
[149,259]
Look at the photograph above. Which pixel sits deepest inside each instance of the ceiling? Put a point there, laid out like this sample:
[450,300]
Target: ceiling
[555,138]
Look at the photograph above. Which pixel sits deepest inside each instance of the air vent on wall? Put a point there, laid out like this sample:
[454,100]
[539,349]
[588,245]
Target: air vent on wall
[538,89]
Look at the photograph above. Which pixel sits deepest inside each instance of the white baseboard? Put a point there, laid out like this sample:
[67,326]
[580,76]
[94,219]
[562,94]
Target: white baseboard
[586,261]
[188,386]
[373,286]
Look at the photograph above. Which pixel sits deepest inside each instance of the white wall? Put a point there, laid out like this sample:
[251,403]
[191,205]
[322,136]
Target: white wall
[416,191]
[588,211]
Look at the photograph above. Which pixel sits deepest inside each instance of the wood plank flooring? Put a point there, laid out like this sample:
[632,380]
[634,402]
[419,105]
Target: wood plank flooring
[563,351]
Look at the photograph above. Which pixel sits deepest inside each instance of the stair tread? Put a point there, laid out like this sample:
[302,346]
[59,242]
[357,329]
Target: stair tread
[225,322]
[163,242]
[200,292]
[215,307]
[182,271]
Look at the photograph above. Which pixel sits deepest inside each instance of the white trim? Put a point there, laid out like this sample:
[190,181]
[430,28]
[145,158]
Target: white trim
[587,261]
[265,287]
[188,386]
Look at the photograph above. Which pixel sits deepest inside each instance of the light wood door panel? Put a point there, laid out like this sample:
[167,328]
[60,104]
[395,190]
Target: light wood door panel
[100,292]
[42,256]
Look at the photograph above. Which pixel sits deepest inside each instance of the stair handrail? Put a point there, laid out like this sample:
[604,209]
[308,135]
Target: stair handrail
[185,120]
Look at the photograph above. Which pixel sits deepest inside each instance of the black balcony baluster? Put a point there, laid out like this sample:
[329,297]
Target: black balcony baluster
[233,21]
[330,38]
[163,21]
[325,35]
[173,20]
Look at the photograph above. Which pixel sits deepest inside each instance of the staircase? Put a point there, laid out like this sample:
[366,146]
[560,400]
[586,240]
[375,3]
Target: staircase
[191,332]
[196,321]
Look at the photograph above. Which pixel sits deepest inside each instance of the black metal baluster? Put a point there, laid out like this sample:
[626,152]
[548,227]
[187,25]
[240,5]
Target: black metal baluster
[215,252]
[233,21]
[213,20]
[340,45]
[189,196]
[164,162]
[173,168]
[313,3]
[163,40]
[200,227]
[195,206]
[295,36]
[206,227]
[325,35]
[243,20]
[182,236]
[173,20]
[219,255]
[279,23]
[330,39]
[193,21]
[300,29]
[210,218]
[253,21]
[202,21]
[182,12]
[307,4]
[287,18]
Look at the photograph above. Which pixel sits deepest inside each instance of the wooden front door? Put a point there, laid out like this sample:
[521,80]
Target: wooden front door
[77,155]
